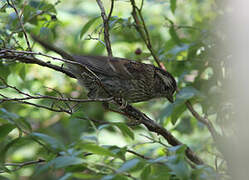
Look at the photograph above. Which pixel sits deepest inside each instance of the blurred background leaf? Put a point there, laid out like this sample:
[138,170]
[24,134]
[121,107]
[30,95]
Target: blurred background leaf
[76,147]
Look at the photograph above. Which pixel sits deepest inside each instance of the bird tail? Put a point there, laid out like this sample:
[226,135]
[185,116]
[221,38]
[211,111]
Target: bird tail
[49,46]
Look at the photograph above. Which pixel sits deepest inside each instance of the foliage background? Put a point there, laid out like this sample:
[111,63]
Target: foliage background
[183,38]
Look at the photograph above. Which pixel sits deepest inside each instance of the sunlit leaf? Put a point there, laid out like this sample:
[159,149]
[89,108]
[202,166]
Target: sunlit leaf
[64,161]
[145,173]
[5,129]
[4,114]
[174,35]
[128,165]
[187,93]
[178,149]
[181,169]
[126,131]
[178,110]
[87,26]
[93,148]
[173,5]
[52,142]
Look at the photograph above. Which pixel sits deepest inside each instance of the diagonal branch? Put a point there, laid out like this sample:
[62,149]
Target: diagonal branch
[129,110]
[202,120]
[152,126]
[143,31]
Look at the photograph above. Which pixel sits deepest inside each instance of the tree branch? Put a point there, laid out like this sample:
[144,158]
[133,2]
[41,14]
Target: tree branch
[130,111]
[152,126]
[24,57]
[205,121]
[142,29]
[106,26]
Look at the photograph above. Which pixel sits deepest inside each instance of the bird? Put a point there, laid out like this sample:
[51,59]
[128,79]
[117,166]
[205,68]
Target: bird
[105,76]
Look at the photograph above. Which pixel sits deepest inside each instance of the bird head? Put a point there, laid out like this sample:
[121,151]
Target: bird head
[168,84]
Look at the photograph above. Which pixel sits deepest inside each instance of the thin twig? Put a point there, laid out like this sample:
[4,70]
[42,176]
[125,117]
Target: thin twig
[115,171]
[45,107]
[69,59]
[106,27]
[56,98]
[20,21]
[142,29]
[139,155]
[23,56]
[205,121]
[23,164]
[111,9]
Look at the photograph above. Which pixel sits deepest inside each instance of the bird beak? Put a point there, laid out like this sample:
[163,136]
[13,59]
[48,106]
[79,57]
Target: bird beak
[170,98]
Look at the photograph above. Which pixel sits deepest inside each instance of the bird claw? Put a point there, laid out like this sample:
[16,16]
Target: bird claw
[122,103]
[134,122]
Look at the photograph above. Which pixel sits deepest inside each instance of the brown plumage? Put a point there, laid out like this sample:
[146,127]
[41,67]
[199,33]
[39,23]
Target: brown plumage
[122,78]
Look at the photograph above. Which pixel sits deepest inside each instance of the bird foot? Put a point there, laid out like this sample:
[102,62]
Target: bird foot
[134,122]
[121,102]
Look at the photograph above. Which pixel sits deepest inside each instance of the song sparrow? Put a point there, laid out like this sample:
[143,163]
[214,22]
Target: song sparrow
[122,78]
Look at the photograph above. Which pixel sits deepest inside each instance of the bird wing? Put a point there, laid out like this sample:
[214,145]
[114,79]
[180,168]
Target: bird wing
[119,67]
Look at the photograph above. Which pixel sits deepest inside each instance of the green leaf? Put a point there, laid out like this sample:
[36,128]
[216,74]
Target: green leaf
[159,159]
[28,11]
[66,176]
[108,177]
[126,131]
[15,119]
[116,20]
[46,33]
[5,71]
[178,110]
[93,148]
[12,21]
[52,142]
[20,141]
[180,168]
[119,152]
[48,7]
[174,35]
[204,172]
[89,139]
[87,26]
[187,93]
[175,109]
[166,112]
[4,114]
[64,161]
[5,129]
[3,169]
[59,162]
[173,5]
[128,165]
[185,126]
[77,125]
[22,72]
[77,114]
[86,175]
[23,124]
[19,69]
[146,172]
[180,149]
